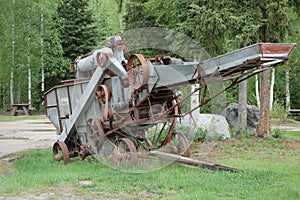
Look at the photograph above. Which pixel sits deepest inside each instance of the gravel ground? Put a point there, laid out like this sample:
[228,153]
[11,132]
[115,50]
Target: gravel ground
[16,136]
[287,126]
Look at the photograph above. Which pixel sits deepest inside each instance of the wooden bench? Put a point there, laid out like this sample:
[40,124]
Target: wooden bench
[294,113]
[20,108]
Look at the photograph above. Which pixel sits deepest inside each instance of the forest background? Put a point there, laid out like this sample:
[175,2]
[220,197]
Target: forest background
[40,38]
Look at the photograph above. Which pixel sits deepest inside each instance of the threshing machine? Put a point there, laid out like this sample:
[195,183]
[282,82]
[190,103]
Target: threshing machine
[125,109]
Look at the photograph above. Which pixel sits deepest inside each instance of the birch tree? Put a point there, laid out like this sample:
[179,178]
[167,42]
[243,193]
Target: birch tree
[28,54]
[20,74]
[287,91]
[42,48]
[12,54]
[257,90]
[272,88]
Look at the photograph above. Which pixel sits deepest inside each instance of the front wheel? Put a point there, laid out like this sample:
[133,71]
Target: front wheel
[61,152]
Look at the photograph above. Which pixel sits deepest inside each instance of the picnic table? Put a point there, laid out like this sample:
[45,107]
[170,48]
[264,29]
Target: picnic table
[20,108]
[294,112]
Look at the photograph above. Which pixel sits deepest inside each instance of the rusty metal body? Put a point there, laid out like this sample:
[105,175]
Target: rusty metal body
[113,103]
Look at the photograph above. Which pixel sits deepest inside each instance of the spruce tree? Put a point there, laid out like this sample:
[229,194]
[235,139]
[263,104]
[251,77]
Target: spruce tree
[137,16]
[79,33]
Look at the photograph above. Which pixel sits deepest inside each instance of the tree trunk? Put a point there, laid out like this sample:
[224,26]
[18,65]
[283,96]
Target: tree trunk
[42,49]
[257,91]
[12,55]
[287,91]
[20,76]
[263,127]
[272,88]
[242,107]
[28,56]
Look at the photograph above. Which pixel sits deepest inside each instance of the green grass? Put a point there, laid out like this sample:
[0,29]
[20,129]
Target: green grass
[271,172]
[20,117]
[291,134]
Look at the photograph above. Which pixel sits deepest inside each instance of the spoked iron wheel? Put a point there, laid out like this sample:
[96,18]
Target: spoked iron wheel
[138,71]
[61,152]
[160,134]
[125,153]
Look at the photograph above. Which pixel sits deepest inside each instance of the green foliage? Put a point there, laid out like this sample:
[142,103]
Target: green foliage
[247,134]
[108,18]
[200,135]
[136,15]
[277,133]
[294,69]
[279,112]
[78,33]
[222,26]
[231,93]
[74,27]
[251,96]
[209,27]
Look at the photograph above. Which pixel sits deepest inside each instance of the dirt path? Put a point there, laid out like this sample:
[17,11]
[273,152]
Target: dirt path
[16,136]
[295,126]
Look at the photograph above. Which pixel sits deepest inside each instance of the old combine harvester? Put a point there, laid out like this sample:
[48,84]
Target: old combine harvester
[122,111]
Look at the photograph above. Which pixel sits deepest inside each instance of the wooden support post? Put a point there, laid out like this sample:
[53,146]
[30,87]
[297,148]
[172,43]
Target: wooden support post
[264,127]
[242,107]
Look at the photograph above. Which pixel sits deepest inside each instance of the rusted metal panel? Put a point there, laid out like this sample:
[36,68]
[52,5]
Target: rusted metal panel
[276,50]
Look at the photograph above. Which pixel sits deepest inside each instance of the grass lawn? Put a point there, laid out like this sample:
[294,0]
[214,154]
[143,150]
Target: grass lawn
[5,117]
[291,134]
[271,172]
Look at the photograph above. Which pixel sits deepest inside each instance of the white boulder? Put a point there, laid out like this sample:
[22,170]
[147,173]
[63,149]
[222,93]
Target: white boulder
[215,126]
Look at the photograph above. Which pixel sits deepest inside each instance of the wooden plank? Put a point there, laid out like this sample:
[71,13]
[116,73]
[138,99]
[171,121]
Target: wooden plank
[188,161]
[294,113]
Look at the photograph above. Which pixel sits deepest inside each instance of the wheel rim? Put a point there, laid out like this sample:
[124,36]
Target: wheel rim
[61,152]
